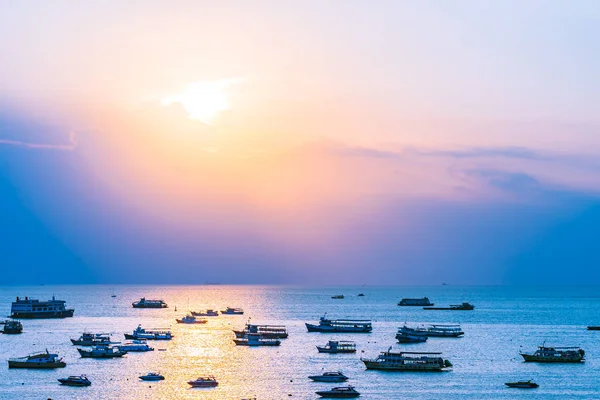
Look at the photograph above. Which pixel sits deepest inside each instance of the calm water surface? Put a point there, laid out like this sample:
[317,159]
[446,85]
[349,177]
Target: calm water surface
[505,319]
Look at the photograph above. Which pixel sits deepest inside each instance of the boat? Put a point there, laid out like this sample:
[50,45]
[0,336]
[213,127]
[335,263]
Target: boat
[136,346]
[338,296]
[407,337]
[12,327]
[146,303]
[335,376]
[361,295]
[141,333]
[344,392]
[340,325]
[152,376]
[92,339]
[335,346]
[207,313]
[453,307]
[190,319]
[522,384]
[256,339]
[204,381]
[435,330]
[408,302]
[593,328]
[266,331]
[73,380]
[232,311]
[408,361]
[37,361]
[555,355]
[102,351]
[31,308]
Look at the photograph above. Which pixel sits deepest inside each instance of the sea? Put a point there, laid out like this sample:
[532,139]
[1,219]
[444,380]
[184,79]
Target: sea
[506,320]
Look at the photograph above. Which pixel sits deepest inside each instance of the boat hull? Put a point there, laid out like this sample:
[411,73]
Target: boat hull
[33,365]
[329,395]
[533,358]
[522,385]
[66,382]
[246,343]
[593,328]
[152,378]
[264,335]
[342,329]
[330,351]
[319,378]
[43,314]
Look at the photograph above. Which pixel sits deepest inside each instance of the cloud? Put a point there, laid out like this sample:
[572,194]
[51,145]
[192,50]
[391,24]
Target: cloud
[69,146]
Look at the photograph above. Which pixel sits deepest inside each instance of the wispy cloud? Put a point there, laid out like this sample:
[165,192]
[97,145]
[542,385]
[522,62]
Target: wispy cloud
[69,146]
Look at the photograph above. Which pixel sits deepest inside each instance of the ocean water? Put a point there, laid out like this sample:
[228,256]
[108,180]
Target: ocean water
[506,319]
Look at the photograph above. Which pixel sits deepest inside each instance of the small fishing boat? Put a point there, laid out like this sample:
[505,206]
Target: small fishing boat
[338,296]
[232,311]
[344,392]
[190,319]
[136,346]
[141,333]
[522,384]
[204,381]
[555,355]
[340,325]
[256,339]
[152,376]
[73,380]
[102,351]
[336,376]
[335,346]
[207,313]
[92,339]
[453,307]
[12,327]
[37,361]
[147,303]
[422,302]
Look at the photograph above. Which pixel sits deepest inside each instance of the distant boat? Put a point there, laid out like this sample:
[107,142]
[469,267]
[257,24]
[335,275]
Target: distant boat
[436,330]
[408,302]
[454,307]
[338,296]
[146,303]
[555,355]
[190,319]
[204,381]
[141,333]
[102,351]
[37,361]
[265,331]
[136,346]
[207,313]
[256,339]
[335,346]
[152,376]
[12,327]
[593,328]
[345,392]
[522,384]
[232,311]
[91,339]
[80,380]
[336,376]
[31,308]
[361,294]
[340,325]
[408,361]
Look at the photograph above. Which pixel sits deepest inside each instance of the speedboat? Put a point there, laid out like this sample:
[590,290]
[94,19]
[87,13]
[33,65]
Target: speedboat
[139,345]
[37,361]
[204,381]
[190,319]
[344,392]
[336,346]
[522,384]
[147,303]
[336,376]
[232,311]
[102,351]
[152,376]
[207,313]
[80,380]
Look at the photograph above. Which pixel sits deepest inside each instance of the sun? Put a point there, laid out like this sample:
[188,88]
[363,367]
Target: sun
[203,100]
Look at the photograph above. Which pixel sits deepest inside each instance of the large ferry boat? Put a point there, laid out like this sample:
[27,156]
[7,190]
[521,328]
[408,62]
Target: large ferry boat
[265,331]
[45,360]
[555,355]
[32,308]
[436,330]
[423,302]
[146,303]
[408,361]
[341,325]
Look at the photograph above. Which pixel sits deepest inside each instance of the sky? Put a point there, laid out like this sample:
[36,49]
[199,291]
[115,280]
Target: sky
[300,142]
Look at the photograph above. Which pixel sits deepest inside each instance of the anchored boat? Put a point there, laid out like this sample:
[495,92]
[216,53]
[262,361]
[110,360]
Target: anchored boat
[37,361]
[152,376]
[435,330]
[92,339]
[336,346]
[207,313]
[190,319]
[405,336]
[72,380]
[204,381]
[336,376]
[256,339]
[12,327]
[522,384]
[31,308]
[341,325]
[344,392]
[136,346]
[422,302]
[266,331]
[232,311]
[141,333]
[555,355]
[408,361]
[147,303]
[102,351]
[453,307]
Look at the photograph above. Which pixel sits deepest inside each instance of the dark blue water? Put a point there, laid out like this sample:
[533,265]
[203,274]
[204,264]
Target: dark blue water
[506,319]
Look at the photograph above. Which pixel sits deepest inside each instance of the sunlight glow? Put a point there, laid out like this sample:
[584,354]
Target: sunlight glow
[203,100]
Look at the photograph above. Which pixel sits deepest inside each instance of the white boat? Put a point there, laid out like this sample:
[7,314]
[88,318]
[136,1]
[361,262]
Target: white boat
[204,381]
[45,360]
[92,339]
[141,333]
[102,351]
[408,361]
[336,376]
[341,325]
[337,346]
[266,331]
[207,313]
[147,303]
[436,330]
[152,376]
[255,339]
[190,319]
[137,345]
